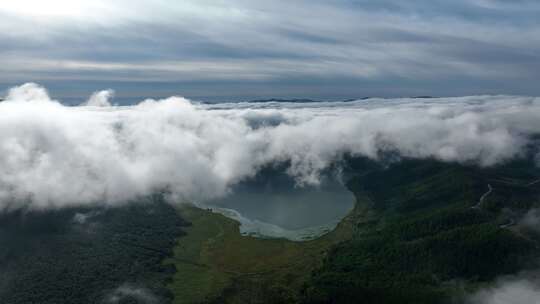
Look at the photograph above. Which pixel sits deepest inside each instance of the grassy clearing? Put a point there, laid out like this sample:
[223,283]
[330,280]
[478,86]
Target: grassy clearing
[215,262]
[195,280]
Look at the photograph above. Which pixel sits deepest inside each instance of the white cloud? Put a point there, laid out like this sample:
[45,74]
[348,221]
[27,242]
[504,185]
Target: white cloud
[54,155]
[511,291]
[83,217]
[29,92]
[50,8]
[100,99]
[127,291]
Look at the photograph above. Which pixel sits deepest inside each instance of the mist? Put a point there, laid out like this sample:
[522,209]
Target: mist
[522,288]
[52,155]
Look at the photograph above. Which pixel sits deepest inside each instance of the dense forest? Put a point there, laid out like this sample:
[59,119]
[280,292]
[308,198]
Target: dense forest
[86,256]
[430,239]
[422,231]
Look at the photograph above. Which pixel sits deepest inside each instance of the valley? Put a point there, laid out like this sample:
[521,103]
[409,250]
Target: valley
[414,234]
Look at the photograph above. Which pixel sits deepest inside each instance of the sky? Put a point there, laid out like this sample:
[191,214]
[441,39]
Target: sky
[240,49]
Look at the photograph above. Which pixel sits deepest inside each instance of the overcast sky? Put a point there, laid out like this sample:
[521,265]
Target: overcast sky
[258,49]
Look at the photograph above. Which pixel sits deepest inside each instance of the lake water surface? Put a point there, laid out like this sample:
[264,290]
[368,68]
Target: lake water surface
[274,206]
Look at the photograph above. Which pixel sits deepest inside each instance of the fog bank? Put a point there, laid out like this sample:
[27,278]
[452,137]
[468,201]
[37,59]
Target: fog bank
[53,155]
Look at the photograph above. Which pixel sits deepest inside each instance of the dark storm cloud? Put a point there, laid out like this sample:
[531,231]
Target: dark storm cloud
[432,47]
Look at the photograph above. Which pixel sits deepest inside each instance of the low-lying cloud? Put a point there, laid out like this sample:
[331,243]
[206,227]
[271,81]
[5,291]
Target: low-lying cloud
[53,155]
[127,291]
[521,289]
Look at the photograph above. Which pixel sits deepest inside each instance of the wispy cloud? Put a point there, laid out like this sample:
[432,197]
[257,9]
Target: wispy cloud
[435,46]
[133,293]
[520,289]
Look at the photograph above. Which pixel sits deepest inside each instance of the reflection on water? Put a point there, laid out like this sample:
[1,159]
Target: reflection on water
[272,205]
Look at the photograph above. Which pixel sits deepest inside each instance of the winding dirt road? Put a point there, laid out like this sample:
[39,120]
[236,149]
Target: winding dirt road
[483,197]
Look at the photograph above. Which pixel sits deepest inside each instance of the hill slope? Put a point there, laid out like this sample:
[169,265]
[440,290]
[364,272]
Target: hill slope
[421,232]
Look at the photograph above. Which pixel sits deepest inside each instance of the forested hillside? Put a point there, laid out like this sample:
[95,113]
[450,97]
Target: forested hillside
[422,231]
[439,230]
[88,255]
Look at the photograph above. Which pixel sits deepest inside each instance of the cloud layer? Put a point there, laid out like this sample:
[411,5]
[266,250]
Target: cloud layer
[52,155]
[248,48]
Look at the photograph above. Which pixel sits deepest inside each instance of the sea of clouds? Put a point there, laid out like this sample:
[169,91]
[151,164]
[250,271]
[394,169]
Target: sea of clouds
[52,155]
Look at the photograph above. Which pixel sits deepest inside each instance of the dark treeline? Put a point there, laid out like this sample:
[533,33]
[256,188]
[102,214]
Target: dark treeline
[86,255]
[426,241]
